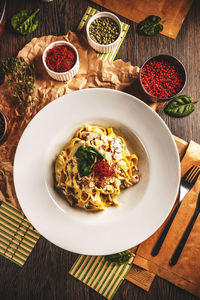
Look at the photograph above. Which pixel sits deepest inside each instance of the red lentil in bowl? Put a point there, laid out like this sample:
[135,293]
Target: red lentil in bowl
[162,77]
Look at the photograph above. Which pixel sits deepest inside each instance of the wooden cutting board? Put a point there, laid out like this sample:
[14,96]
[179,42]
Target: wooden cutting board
[172,11]
[181,145]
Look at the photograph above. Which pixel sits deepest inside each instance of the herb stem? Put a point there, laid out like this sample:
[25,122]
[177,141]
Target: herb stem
[21,78]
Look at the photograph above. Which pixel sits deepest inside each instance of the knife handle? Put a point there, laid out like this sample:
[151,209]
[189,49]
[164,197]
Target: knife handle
[183,240]
[162,237]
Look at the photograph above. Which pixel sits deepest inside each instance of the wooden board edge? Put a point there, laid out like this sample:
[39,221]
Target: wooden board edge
[181,145]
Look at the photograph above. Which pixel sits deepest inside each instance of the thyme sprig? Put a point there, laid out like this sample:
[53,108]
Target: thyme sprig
[21,78]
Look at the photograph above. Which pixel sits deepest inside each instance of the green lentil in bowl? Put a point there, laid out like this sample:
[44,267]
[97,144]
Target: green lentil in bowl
[104,31]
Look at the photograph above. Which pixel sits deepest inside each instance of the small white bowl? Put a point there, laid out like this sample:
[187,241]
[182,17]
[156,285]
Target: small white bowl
[63,76]
[99,47]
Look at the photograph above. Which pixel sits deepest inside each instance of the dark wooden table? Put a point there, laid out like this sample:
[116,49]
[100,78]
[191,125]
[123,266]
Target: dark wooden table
[45,274]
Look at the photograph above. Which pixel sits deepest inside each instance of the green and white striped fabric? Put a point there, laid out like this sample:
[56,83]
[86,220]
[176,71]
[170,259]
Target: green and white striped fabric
[104,56]
[17,235]
[101,275]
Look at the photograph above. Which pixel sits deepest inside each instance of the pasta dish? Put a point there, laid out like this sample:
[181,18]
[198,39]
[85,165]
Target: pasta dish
[93,167]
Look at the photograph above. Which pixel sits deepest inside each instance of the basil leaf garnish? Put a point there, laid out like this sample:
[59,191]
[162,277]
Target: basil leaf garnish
[180,106]
[150,26]
[92,149]
[119,258]
[87,158]
[81,153]
[92,158]
[26,21]
[84,168]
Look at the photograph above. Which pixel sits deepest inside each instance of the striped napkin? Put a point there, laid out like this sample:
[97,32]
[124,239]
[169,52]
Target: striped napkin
[17,235]
[104,56]
[101,275]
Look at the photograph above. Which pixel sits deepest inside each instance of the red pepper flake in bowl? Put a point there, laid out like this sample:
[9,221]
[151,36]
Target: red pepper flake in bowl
[60,58]
[163,77]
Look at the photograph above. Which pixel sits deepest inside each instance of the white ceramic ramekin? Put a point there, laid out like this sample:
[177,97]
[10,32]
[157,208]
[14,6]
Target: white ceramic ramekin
[103,48]
[64,75]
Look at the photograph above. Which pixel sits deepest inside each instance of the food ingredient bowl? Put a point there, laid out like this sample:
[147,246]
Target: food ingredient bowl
[2,15]
[61,60]
[3,126]
[162,77]
[105,33]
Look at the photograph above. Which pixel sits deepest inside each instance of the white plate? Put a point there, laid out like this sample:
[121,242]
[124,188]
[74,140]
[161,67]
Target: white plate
[144,206]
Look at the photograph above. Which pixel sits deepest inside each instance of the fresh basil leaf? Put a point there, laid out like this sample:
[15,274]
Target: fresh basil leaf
[119,258]
[92,158]
[99,155]
[150,26]
[81,153]
[26,21]
[84,168]
[87,158]
[180,106]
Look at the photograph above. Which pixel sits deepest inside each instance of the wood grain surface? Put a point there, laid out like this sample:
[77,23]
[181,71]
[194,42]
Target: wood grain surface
[45,274]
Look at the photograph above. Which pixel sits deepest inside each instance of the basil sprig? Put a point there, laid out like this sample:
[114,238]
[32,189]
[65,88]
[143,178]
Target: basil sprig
[87,158]
[26,21]
[150,26]
[119,258]
[180,106]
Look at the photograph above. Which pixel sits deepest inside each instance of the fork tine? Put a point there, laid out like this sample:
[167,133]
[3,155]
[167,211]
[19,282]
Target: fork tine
[195,175]
[188,178]
[187,174]
[192,174]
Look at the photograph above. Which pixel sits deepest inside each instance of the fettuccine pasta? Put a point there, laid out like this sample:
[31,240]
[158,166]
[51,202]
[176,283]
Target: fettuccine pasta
[93,167]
